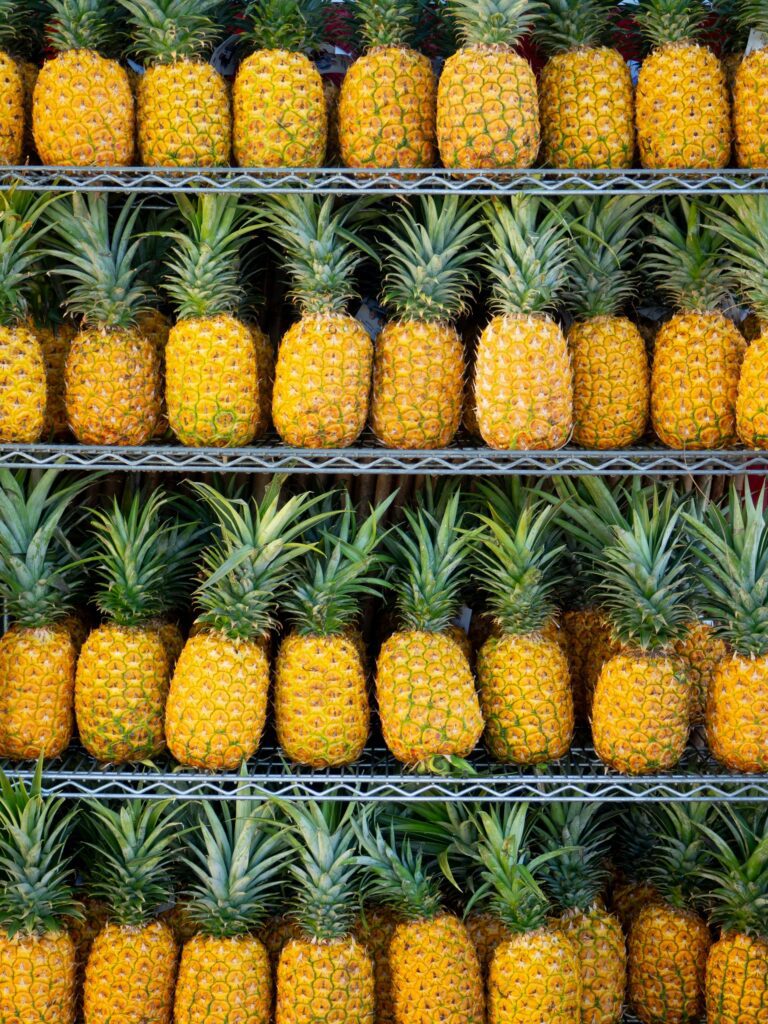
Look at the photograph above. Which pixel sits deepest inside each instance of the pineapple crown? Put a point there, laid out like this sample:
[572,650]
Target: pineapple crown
[386,22]
[82,25]
[498,23]
[99,263]
[14,25]
[572,24]
[132,852]
[680,851]
[168,30]
[293,25]
[746,14]
[742,221]
[670,21]
[685,260]
[317,249]
[39,575]
[36,879]
[325,597]
[634,842]
[528,258]
[738,898]
[19,212]
[247,567]
[578,878]
[731,556]
[428,259]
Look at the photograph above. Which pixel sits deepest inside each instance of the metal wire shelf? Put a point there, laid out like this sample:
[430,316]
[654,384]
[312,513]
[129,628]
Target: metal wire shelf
[377,776]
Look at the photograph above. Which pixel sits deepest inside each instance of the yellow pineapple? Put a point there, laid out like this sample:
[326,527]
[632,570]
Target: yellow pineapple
[701,651]
[374,929]
[265,366]
[155,325]
[14,17]
[749,85]
[488,932]
[55,341]
[582,627]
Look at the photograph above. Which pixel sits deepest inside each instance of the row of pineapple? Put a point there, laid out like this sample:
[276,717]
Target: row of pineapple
[317,912]
[485,111]
[670,628]
[116,371]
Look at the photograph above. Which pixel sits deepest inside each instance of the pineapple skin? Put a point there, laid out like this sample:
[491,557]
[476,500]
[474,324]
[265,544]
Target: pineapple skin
[211,382]
[737,980]
[611,385]
[751,399]
[737,713]
[183,116]
[695,379]
[29,73]
[112,387]
[487,110]
[487,932]
[701,652]
[387,110]
[265,368]
[598,939]
[534,977]
[121,685]
[55,342]
[426,694]
[322,381]
[83,112]
[435,973]
[12,110]
[331,979]
[279,108]
[374,930]
[640,713]
[523,384]
[587,105]
[750,110]
[321,700]
[275,933]
[223,979]
[581,629]
[526,697]
[23,387]
[37,667]
[37,978]
[130,975]
[418,385]
[683,109]
[217,705]
[155,326]
[667,963]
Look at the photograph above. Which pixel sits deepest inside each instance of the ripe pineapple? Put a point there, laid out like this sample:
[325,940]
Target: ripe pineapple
[224,972]
[523,383]
[83,112]
[750,87]
[583,628]
[522,670]
[280,113]
[55,342]
[610,362]
[326,973]
[182,102]
[586,95]
[217,704]
[388,96]
[668,940]
[428,706]
[38,584]
[701,651]
[682,105]
[324,362]
[265,369]
[419,366]
[131,967]
[13,18]
[374,929]
[577,880]
[37,953]
[698,353]
[487,100]
[321,697]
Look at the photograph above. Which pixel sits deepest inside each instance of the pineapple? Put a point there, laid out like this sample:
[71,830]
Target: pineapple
[182,102]
[38,584]
[522,670]
[37,953]
[581,627]
[83,110]
[320,697]
[326,974]
[265,369]
[224,972]
[698,353]
[487,100]
[124,668]
[131,967]
[375,929]
[13,17]
[324,362]
[55,341]
[668,940]
[523,382]
[586,94]
[419,365]
[280,113]
[682,105]
[428,705]
[217,704]
[701,650]
[212,374]
[733,568]
[488,932]
[610,363]
[750,87]
[388,96]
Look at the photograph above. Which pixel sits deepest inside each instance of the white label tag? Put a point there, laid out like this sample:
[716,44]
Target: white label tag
[372,316]
[464,619]
[757,41]
[654,313]
[223,58]
[137,68]
[332,60]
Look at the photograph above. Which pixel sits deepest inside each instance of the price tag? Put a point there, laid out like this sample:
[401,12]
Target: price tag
[224,57]
[757,41]
[372,316]
[464,619]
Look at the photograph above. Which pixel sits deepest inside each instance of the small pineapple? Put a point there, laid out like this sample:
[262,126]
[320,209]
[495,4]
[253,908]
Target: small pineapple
[375,929]
[701,650]
[750,87]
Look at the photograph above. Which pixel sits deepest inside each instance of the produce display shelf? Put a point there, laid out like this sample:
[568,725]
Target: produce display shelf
[344,181]
[369,457]
[377,776]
